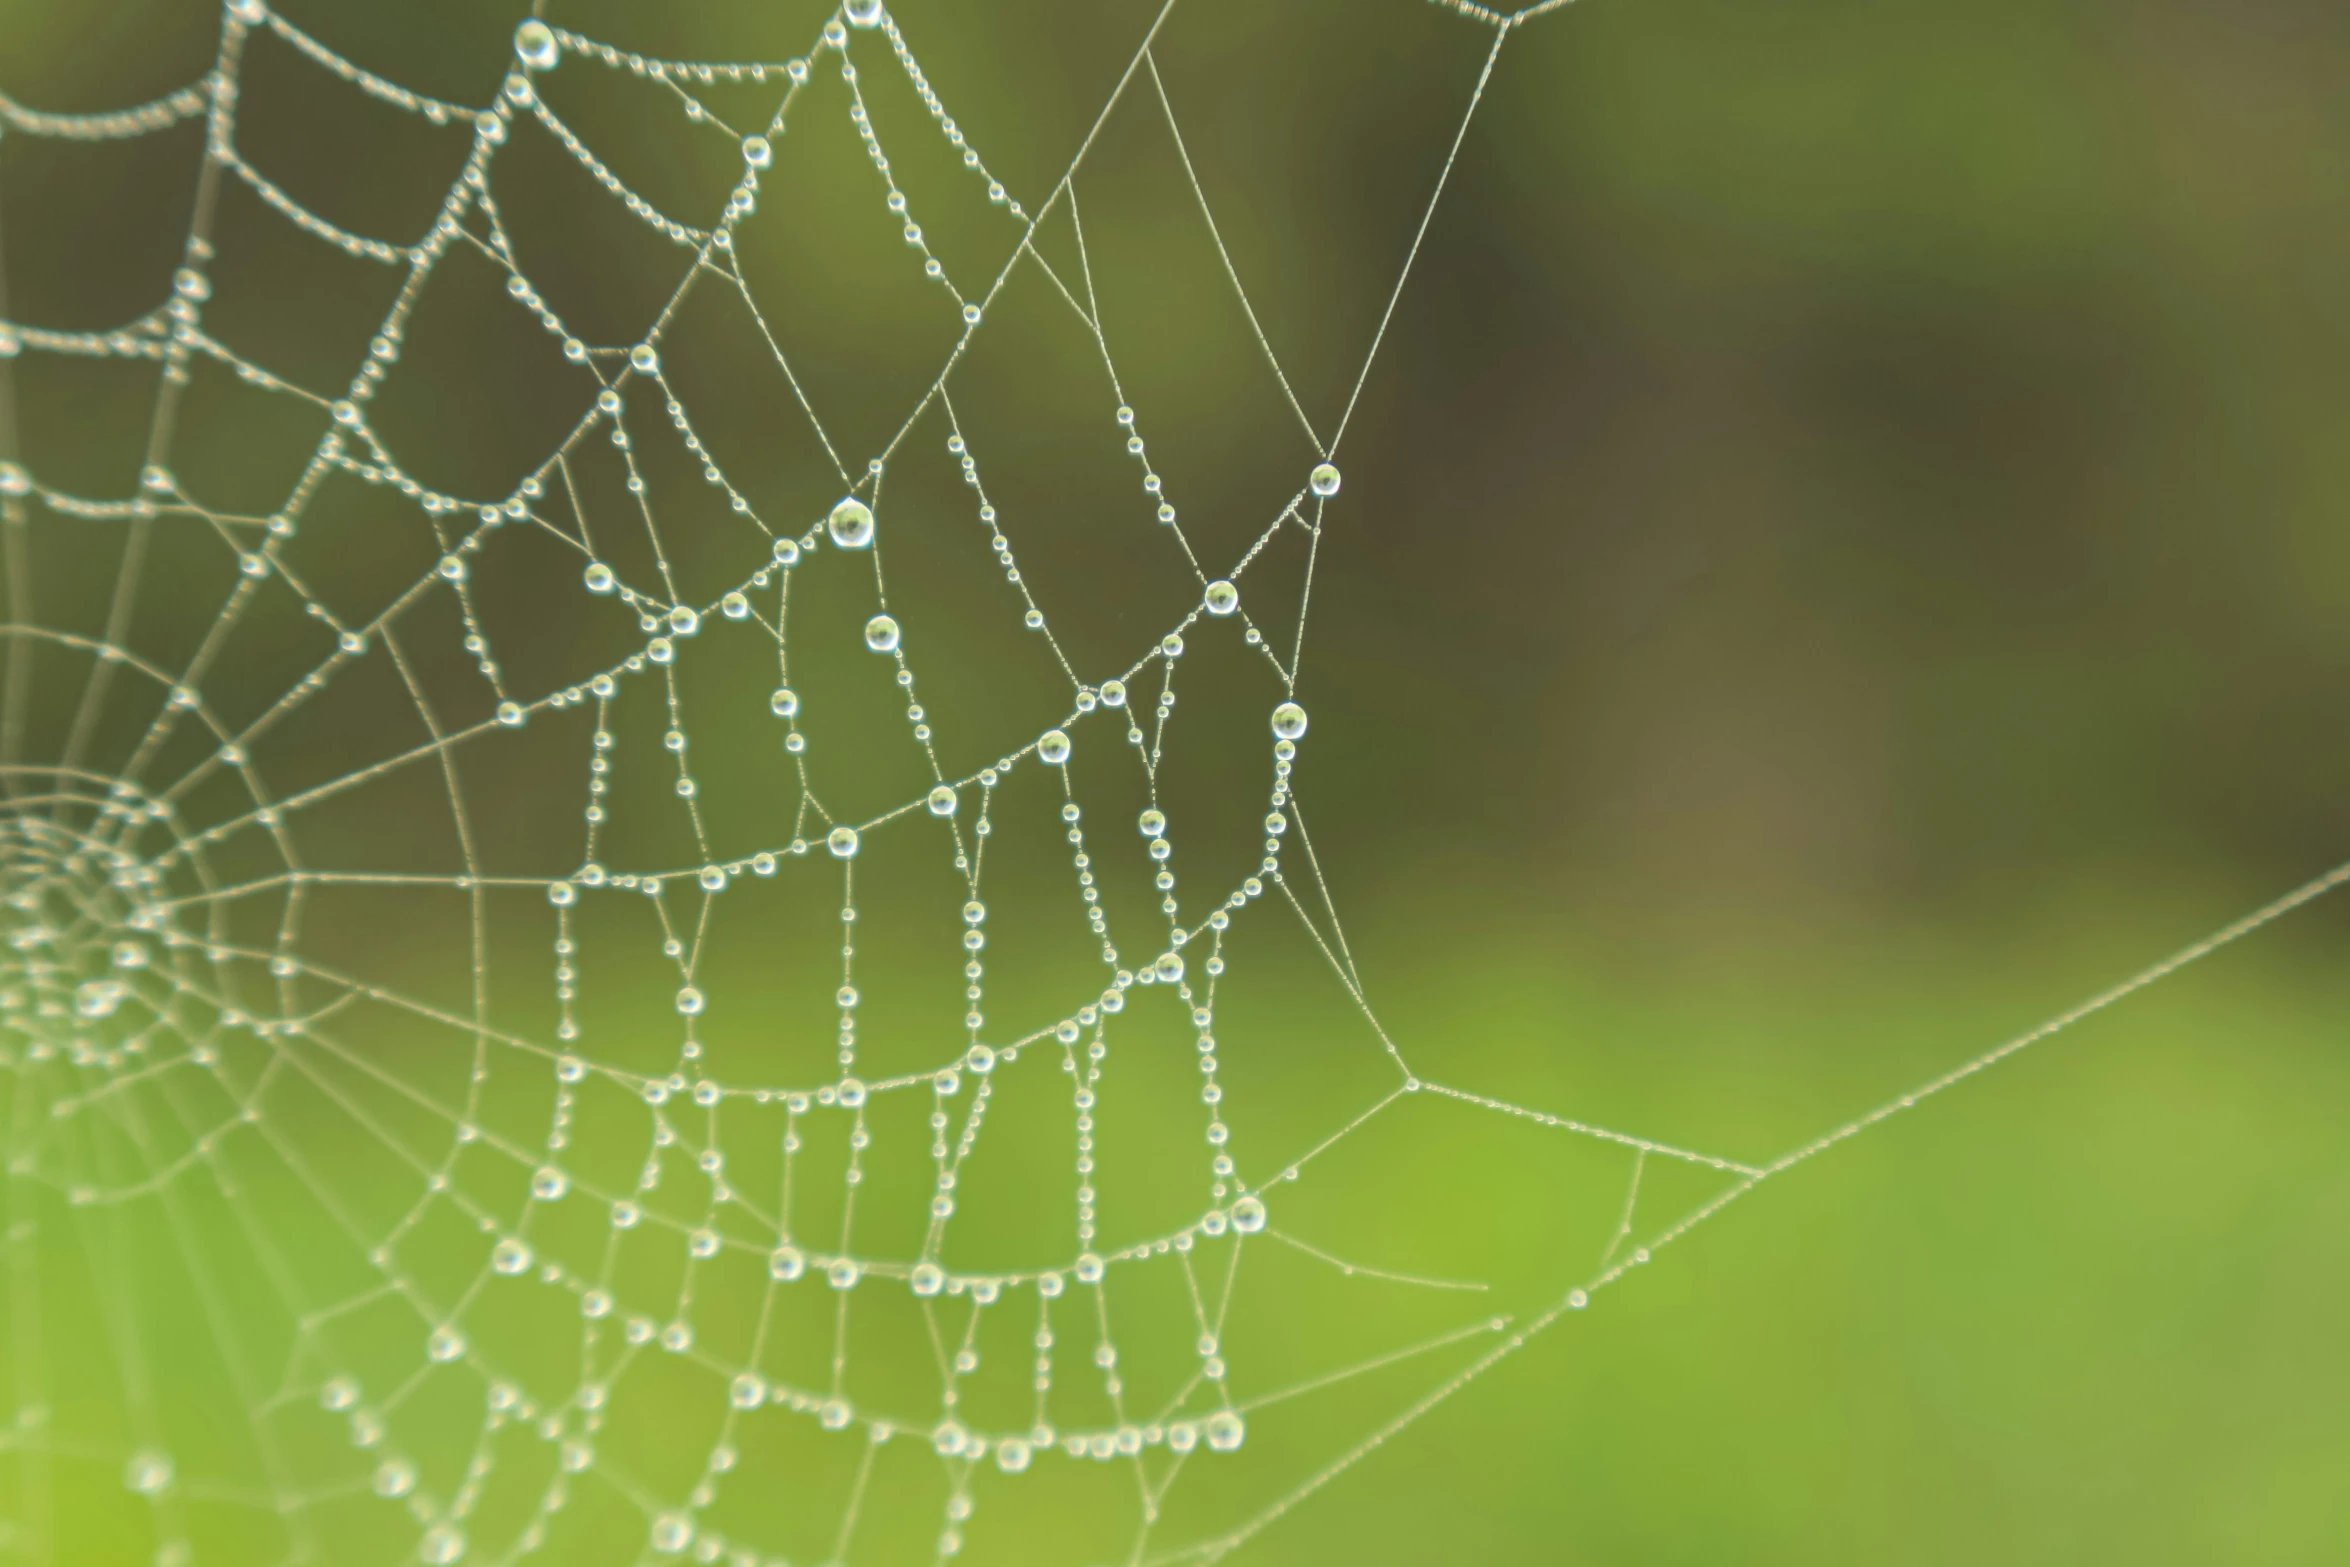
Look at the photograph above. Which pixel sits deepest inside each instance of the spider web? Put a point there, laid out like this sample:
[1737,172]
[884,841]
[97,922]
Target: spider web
[771,1216]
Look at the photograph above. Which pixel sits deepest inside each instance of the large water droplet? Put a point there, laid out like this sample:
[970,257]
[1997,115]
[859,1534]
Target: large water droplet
[1323,481]
[148,1472]
[881,634]
[941,801]
[842,841]
[534,43]
[1053,748]
[1289,721]
[851,524]
[1221,597]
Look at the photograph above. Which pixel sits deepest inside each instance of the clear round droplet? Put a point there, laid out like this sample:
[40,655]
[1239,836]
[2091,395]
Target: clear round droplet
[1153,823]
[863,13]
[941,801]
[784,703]
[1289,721]
[735,607]
[851,524]
[980,1059]
[1053,748]
[747,1391]
[1113,693]
[1089,1269]
[842,841]
[535,45]
[644,359]
[599,578]
[1248,1215]
[756,152]
[785,1263]
[1323,481]
[1224,1431]
[148,1472]
[672,1533]
[881,634]
[690,1001]
[927,1279]
[1221,597]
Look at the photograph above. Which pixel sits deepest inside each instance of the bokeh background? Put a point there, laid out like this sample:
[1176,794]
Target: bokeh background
[1840,559]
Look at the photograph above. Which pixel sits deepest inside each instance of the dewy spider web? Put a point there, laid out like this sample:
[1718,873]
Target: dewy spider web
[444,1254]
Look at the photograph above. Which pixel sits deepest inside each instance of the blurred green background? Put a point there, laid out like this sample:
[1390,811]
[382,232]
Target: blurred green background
[1840,559]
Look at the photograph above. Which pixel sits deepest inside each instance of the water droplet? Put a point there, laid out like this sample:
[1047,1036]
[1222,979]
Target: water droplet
[1053,748]
[735,607]
[787,552]
[511,714]
[842,841]
[130,955]
[452,568]
[534,43]
[510,1256]
[14,480]
[446,1343]
[1248,1215]
[562,894]
[1221,598]
[1089,1269]
[148,1472]
[683,622]
[1113,693]
[1011,1455]
[395,1477]
[713,878]
[863,13]
[747,1391]
[942,801]
[928,1278]
[980,1059]
[756,152]
[785,1264]
[851,524]
[548,1184]
[1152,822]
[835,1414]
[689,1001]
[784,703]
[881,634]
[340,1393]
[441,1545]
[644,359]
[1289,721]
[250,12]
[98,998]
[843,1274]
[1224,1430]
[1169,968]
[1323,481]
